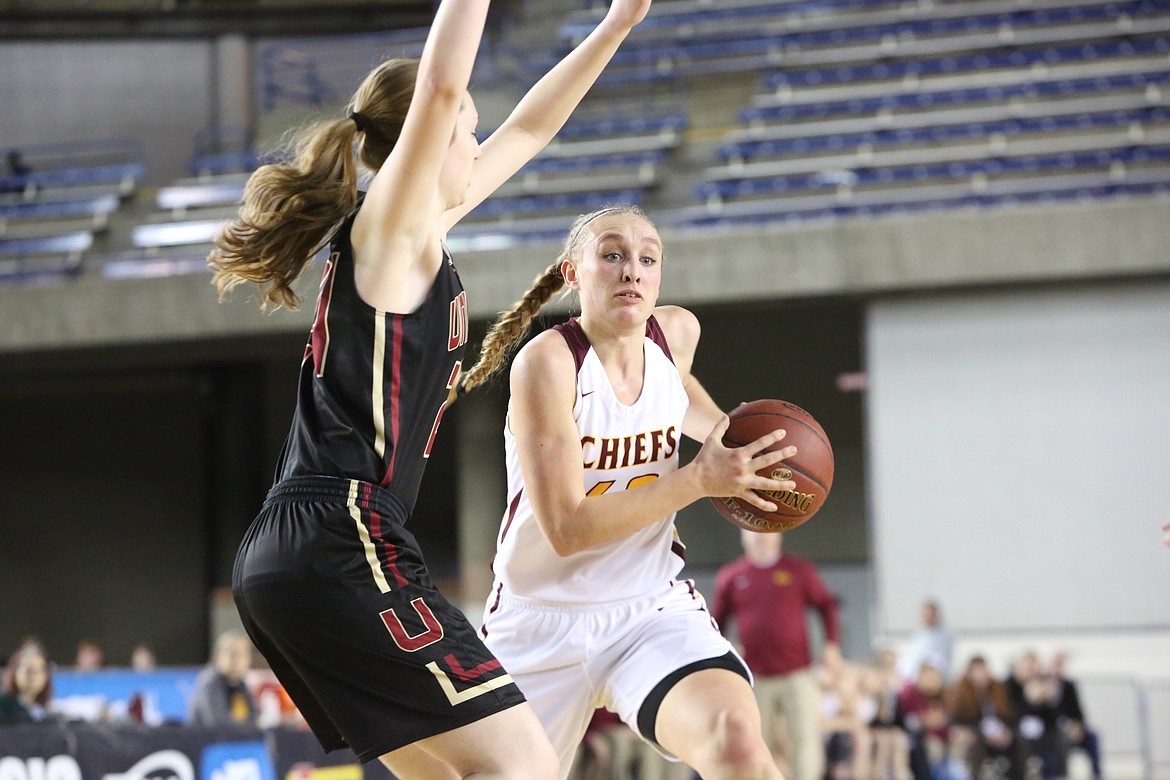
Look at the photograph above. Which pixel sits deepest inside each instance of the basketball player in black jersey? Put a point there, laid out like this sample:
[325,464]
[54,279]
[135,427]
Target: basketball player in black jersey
[329,582]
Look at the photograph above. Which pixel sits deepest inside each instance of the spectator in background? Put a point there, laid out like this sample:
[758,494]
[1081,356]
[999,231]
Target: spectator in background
[923,714]
[1034,693]
[934,642]
[89,656]
[891,747]
[983,722]
[1069,715]
[221,696]
[142,658]
[15,177]
[26,687]
[847,707]
[766,593]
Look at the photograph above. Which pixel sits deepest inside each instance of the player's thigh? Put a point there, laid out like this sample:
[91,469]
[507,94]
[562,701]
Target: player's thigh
[414,763]
[690,712]
[504,743]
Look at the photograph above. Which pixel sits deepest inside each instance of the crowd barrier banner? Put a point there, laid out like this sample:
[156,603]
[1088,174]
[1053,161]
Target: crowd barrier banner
[94,751]
[160,695]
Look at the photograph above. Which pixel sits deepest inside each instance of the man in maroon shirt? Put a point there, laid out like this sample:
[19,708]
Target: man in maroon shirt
[766,594]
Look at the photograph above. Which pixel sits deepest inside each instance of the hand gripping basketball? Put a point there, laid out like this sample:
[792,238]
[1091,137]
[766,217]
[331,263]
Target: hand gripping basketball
[809,470]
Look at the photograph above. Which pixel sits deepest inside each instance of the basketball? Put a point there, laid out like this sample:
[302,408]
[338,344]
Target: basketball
[811,468]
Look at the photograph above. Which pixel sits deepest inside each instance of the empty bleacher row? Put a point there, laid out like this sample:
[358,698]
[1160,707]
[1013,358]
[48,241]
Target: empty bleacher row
[324,71]
[852,107]
[758,37]
[980,125]
[54,200]
[1002,180]
[176,234]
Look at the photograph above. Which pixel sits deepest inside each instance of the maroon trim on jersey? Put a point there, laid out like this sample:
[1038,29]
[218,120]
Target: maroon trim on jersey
[576,339]
[579,343]
[655,334]
[512,507]
[389,550]
[678,549]
[318,345]
[483,632]
[395,390]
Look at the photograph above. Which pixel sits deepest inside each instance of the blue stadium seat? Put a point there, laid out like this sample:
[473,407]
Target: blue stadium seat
[543,204]
[1046,189]
[71,244]
[666,124]
[38,270]
[163,234]
[749,149]
[48,209]
[592,162]
[184,195]
[958,169]
[895,100]
[1022,57]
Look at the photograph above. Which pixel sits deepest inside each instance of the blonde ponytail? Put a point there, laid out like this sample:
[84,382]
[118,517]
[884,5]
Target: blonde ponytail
[511,328]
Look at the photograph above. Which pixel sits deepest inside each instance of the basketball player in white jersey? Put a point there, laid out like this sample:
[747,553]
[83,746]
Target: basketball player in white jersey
[585,611]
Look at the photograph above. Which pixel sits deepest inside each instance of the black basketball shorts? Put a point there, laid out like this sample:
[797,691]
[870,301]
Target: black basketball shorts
[334,593]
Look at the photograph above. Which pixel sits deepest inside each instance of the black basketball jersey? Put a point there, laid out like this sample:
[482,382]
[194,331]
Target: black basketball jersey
[373,384]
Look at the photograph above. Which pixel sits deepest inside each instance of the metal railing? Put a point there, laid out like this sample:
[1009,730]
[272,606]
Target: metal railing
[1132,719]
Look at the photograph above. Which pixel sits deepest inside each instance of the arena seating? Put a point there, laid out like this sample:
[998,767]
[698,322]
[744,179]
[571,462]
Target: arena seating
[63,196]
[626,154]
[593,162]
[753,37]
[848,108]
[42,258]
[224,150]
[1065,110]
[317,71]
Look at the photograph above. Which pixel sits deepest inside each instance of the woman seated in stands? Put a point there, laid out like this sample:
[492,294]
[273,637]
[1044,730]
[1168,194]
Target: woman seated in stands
[922,712]
[27,685]
[983,723]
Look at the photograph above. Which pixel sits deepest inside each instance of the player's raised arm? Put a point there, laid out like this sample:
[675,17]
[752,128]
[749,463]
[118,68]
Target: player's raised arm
[396,226]
[547,106]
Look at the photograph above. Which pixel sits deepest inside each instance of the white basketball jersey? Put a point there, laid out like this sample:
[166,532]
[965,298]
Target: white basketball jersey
[621,447]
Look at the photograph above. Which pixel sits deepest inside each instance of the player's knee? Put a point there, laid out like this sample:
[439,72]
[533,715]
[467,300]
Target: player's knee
[738,744]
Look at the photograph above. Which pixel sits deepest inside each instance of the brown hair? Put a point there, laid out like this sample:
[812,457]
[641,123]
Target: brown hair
[8,679]
[512,326]
[966,701]
[292,208]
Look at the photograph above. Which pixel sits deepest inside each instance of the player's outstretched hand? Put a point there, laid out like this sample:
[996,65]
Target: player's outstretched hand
[628,12]
[1166,538]
[732,471]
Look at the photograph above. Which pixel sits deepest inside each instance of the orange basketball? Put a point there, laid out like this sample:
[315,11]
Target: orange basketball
[811,468]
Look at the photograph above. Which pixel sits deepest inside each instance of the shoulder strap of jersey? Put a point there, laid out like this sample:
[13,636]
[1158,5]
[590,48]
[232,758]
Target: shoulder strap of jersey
[575,337]
[655,334]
